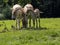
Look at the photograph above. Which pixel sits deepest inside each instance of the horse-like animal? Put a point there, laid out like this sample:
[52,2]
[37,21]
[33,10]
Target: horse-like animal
[29,11]
[37,15]
[17,12]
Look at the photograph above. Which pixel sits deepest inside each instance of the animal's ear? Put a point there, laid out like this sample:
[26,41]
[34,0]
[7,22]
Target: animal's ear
[41,12]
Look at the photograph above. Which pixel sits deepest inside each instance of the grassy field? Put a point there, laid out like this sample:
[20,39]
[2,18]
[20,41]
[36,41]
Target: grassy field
[49,34]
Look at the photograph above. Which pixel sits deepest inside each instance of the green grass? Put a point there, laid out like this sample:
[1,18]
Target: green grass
[48,36]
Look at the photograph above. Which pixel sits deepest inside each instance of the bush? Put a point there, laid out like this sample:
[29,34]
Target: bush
[7,12]
[2,16]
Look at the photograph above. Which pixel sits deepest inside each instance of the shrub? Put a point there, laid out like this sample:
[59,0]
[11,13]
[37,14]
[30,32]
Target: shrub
[7,12]
[2,16]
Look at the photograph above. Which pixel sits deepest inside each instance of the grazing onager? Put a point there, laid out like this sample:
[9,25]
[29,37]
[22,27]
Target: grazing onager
[37,15]
[17,13]
[29,11]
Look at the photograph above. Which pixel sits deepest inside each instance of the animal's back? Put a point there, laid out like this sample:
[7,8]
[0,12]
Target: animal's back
[16,6]
[28,7]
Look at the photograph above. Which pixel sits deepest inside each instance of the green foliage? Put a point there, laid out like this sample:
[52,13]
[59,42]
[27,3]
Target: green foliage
[24,2]
[5,1]
[7,12]
[7,4]
[49,7]
[2,17]
[1,2]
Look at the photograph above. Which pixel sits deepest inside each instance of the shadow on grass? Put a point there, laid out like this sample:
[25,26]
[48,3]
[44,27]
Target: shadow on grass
[29,28]
[41,28]
[14,29]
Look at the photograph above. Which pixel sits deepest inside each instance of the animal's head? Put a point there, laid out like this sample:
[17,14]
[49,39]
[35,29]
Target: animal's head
[36,10]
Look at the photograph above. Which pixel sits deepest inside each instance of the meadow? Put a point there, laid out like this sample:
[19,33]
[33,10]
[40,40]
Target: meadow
[49,34]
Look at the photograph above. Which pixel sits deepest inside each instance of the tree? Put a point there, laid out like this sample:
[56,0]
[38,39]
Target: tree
[24,2]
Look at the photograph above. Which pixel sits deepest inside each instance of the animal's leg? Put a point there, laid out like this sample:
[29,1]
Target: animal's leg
[33,23]
[29,19]
[18,24]
[36,22]
[24,21]
[39,22]
[33,18]
[30,22]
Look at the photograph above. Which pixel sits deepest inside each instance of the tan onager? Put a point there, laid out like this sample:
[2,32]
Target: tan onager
[37,15]
[29,11]
[17,12]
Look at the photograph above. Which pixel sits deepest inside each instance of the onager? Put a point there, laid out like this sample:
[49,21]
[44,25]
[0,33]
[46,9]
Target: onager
[29,11]
[37,15]
[17,13]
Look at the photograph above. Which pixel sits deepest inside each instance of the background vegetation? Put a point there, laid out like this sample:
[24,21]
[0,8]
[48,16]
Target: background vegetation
[49,7]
